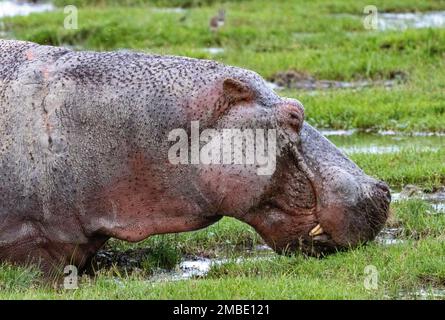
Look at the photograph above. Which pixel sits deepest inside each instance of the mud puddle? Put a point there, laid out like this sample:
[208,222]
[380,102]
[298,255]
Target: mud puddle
[130,261]
[302,81]
[418,20]
[199,267]
[22,8]
[389,236]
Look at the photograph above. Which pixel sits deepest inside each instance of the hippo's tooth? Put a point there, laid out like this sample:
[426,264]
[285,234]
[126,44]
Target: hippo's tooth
[316,231]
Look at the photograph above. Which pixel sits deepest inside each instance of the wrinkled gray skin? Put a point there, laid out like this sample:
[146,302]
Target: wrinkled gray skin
[83,157]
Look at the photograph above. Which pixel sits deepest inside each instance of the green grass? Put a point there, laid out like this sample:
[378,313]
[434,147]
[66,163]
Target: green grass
[323,39]
[404,109]
[407,167]
[256,35]
[163,256]
[418,220]
[310,37]
[220,238]
[334,6]
[160,3]
[406,267]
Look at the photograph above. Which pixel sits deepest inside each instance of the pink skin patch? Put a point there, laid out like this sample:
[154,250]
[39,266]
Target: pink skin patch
[29,55]
[45,73]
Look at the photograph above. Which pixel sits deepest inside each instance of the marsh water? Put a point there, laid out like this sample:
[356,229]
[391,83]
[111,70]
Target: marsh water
[22,8]
[415,20]
[351,141]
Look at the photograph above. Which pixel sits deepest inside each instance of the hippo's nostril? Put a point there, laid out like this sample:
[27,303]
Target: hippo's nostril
[384,187]
[291,113]
[298,106]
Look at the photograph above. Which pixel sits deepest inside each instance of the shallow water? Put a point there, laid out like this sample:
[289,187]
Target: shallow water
[351,141]
[439,207]
[170,10]
[21,8]
[436,199]
[214,50]
[196,267]
[403,21]
[200,266]
[333,132]
[411,134]
[398,21]
[423,294]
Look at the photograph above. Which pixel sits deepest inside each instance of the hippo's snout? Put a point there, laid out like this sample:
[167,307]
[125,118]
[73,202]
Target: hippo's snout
[385,189]
[291,114]
[351,206]
[319,201]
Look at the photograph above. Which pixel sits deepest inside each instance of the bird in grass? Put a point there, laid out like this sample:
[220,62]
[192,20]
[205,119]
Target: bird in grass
[217,21]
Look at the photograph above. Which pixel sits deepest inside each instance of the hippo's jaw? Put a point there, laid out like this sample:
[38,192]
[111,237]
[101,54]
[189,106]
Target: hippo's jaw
[350,213]
[320,202]
[352,217]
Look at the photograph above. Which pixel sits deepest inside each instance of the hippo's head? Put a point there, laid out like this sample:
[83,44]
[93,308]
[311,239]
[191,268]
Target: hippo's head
[319,200]
[316,200]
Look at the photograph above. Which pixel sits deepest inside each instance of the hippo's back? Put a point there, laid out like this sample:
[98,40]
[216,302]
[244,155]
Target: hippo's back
[67,119]
[11,58]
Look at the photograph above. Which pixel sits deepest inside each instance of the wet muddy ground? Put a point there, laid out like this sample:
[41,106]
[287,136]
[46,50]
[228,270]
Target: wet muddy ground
[188,267]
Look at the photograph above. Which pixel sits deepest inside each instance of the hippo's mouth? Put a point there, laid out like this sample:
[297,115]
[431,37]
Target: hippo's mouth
[287,217]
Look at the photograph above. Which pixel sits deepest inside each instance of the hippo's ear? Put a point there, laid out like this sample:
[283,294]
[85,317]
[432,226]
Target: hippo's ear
[236,91]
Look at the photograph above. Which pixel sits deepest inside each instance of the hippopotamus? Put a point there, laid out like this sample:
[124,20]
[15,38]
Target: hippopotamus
[85,148]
